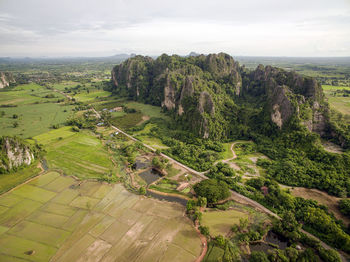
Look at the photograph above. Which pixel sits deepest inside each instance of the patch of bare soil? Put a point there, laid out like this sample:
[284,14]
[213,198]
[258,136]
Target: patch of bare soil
[323,198]
[182,186]
[233,165]
[333,148]
[144,119]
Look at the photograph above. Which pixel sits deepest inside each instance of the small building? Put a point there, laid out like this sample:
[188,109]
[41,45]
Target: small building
[100,124]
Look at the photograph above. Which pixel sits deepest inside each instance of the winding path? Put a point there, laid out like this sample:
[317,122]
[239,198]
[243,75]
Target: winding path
[235,195]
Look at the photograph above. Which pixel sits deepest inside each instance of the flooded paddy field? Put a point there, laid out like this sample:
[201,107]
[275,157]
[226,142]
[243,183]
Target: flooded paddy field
[57,218]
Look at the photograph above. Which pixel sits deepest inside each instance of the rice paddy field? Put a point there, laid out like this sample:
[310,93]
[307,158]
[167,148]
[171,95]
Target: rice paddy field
[35,111]
[72,153]
[57,218]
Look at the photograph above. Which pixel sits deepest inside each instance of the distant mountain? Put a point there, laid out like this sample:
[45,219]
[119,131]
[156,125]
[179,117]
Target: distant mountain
[193,54]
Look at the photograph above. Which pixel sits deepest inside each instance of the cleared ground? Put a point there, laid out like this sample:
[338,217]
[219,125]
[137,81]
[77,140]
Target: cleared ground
[221,222]
[322,198]
[57,218]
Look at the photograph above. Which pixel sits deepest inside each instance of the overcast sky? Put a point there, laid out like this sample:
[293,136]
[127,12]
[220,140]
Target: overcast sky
[152,27]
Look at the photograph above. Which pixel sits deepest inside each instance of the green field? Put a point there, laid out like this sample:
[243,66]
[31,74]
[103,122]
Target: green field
[57,218]
[8,181]
[337,102]
[227,153]
[28,94]
[220,222]
[34,114]
[92,95]
[148,110]
[72,152]
[66,84]
[127,121]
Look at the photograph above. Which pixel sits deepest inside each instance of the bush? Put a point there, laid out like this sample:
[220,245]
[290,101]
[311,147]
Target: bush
[204,230]
[142,190]
[344,206]
[258,256]
[212,189]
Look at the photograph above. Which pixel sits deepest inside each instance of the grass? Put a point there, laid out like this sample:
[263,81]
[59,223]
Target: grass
[11,180]
[28,94]
[220,222]
[127,121]
[66,84]
[339,103]
[119,225]
[148,110]
[227,153]
[72,153]
[33,119]
[92,95]
[35,112]
[54,135]
[152,141]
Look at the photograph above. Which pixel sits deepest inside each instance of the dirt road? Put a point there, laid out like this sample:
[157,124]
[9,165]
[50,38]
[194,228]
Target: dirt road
[235,196]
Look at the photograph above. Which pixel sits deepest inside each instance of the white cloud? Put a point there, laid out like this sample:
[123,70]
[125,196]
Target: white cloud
[251,27]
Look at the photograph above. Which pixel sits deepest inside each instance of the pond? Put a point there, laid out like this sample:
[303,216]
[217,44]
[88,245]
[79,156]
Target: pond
[141,163]
[179,200]
[278,240]
[150,176]
[272,238]
[261,246]
[44,164]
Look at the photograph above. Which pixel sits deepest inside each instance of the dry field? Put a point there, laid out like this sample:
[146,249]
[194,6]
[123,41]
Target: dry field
[57,218]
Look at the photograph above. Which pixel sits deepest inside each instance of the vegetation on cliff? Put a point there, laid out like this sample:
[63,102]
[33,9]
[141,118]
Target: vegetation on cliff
[213,97]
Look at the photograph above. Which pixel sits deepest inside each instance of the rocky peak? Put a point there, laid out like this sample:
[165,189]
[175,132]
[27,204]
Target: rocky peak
[169,94]
[14,154]
[187,90]
[220,64]
[206,104]
[6,79]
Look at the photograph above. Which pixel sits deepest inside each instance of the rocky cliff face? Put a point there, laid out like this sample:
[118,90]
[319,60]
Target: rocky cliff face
[290,94]
[199,89]
[14,154]
[6,79]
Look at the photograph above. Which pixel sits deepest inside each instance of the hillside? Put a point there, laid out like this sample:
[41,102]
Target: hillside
[213,89]
[215,98]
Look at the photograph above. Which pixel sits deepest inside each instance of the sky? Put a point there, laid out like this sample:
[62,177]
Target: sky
[57,28]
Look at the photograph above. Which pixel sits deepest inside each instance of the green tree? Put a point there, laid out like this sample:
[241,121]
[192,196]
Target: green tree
[142,190]
[258,256]
[204,230]
[156,162]
[212,189]
[202,201]
[344,206]
[190,205]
